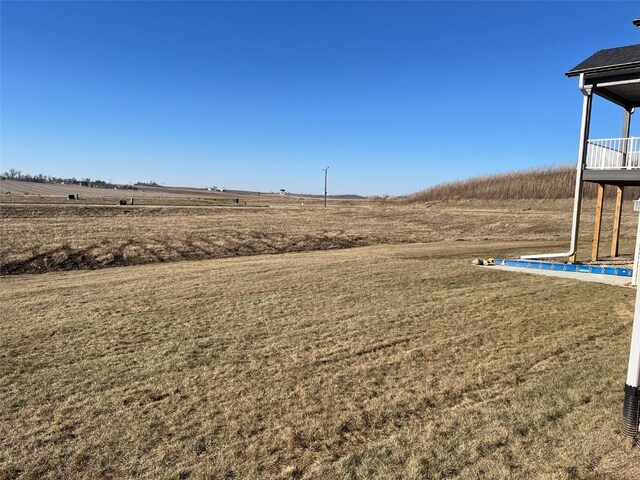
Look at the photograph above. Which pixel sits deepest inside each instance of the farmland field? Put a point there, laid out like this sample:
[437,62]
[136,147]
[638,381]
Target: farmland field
[378,362]
[41,238]
[16,191]
[369,348]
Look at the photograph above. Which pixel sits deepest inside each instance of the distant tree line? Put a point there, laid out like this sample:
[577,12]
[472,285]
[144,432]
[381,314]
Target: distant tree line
[13,174]
[147,184]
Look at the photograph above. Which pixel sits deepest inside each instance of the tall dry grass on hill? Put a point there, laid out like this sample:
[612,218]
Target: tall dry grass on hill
[550,183]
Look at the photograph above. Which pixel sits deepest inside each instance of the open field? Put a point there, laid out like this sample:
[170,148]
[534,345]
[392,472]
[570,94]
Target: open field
[40,238]
[395,360]
[17,191]
[379,362]
[10,189]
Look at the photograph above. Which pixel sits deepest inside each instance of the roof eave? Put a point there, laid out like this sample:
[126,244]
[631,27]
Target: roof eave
[609,68]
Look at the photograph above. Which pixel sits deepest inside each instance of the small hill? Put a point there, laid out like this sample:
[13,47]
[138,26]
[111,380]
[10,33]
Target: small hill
[549,183]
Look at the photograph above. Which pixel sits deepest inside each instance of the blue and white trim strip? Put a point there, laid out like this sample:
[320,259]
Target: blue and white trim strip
[564,267]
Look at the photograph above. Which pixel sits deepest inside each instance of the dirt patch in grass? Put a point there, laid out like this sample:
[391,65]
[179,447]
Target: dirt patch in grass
[378,362]
[44,238]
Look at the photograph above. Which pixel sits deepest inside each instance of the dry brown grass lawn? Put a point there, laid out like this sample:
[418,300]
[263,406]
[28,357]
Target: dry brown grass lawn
[39,238]
[378,362]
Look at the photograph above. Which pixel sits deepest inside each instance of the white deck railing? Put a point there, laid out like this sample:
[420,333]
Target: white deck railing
[613,153]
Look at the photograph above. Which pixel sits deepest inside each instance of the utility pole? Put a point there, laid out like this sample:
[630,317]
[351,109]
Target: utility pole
[325,186]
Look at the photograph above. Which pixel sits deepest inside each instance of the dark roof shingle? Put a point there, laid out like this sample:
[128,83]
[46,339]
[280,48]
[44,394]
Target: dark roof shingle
[609,59]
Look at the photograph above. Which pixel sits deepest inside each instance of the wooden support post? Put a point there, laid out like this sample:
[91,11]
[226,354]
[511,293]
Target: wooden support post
[616,222]
[598,223]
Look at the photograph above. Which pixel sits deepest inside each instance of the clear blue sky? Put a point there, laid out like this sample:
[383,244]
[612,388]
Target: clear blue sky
[394,97]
